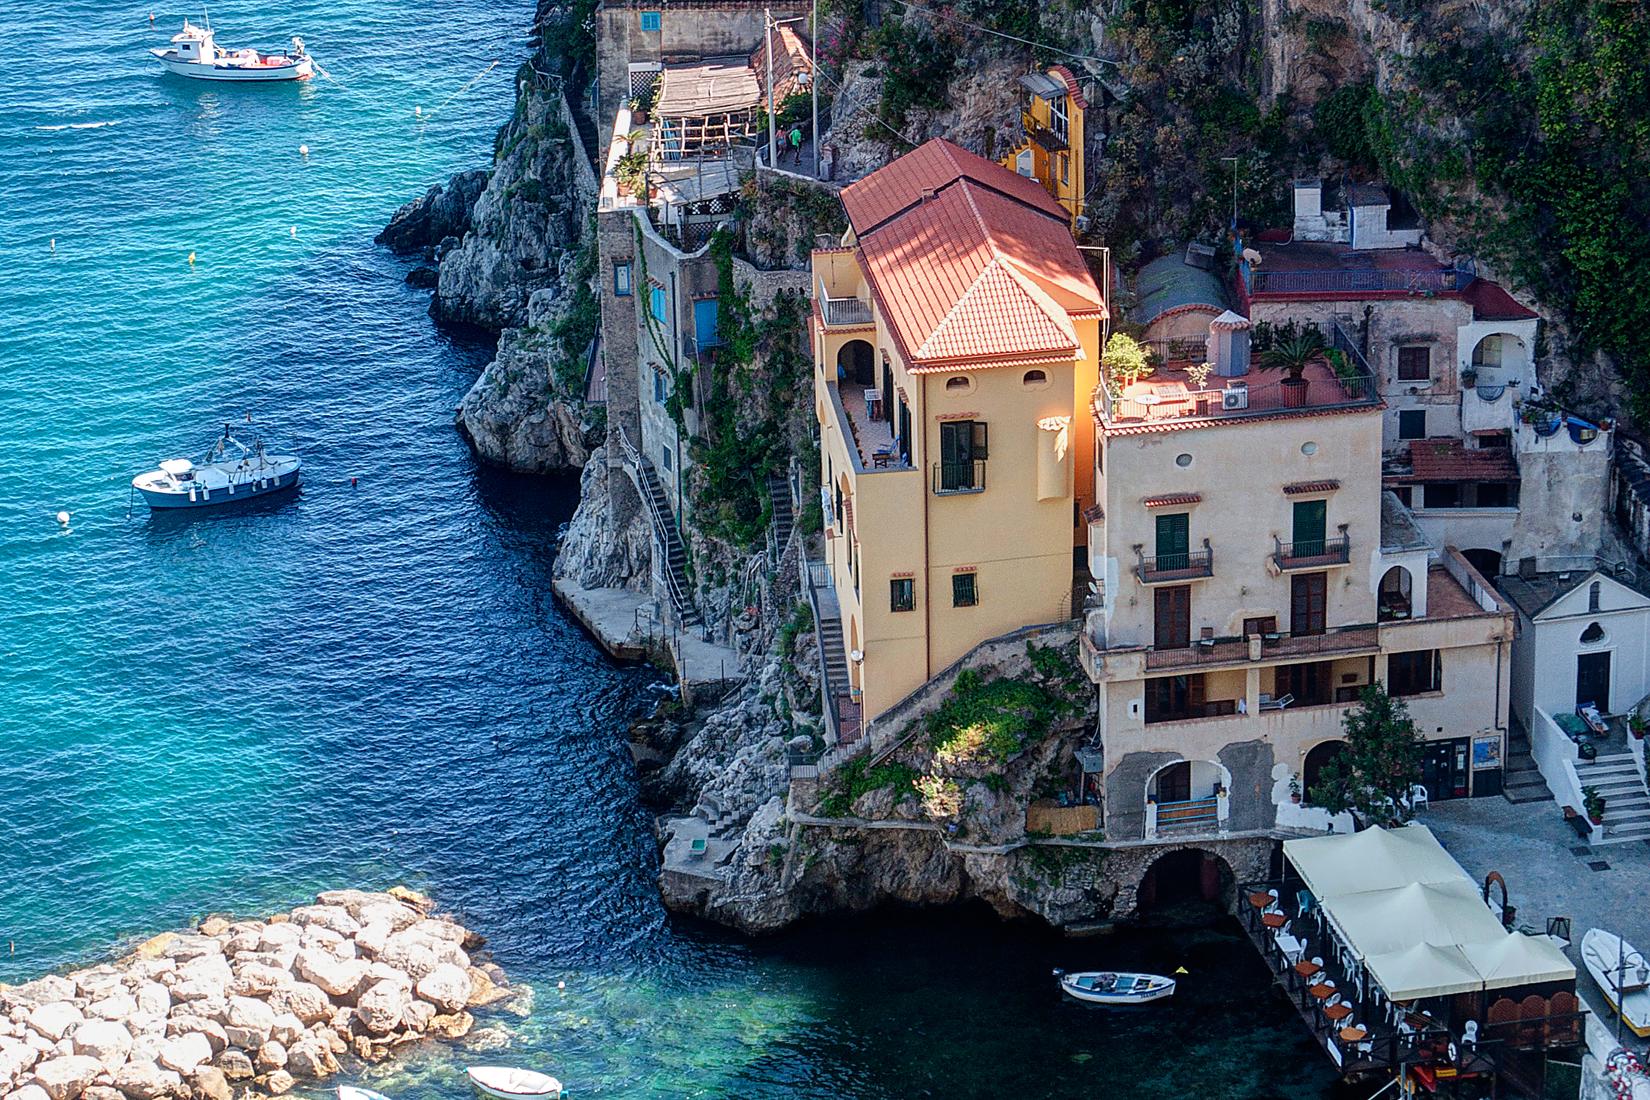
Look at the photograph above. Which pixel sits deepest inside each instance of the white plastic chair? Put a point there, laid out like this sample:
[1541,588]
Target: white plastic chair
[1469,1034]
[1417,796]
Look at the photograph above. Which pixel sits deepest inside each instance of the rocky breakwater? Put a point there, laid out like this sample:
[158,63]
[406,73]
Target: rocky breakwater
[248,1007]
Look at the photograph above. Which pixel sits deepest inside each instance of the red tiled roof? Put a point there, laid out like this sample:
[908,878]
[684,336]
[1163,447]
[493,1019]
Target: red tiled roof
[1491,302]
[1449,460]
[1328,485]
[1073,89]
[969,262]
[1167,499]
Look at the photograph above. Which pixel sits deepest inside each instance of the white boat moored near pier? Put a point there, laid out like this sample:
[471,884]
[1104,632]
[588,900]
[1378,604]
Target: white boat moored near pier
[230,472]
[1105,987]
[195,53]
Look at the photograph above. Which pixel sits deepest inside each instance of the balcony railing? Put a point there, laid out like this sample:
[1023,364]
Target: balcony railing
[844,311]
[1185,566]
[959,477]
[1043,135]
[1370,281]
[1272,647]
[1312,553]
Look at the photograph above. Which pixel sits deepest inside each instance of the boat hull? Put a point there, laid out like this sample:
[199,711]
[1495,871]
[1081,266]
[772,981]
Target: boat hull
[1599,953]
[220,496]
[300,69]
[501,1083]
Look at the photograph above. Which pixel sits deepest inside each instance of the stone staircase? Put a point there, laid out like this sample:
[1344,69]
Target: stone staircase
[1521,779]
[779,492]
[665,536]
[1627,803]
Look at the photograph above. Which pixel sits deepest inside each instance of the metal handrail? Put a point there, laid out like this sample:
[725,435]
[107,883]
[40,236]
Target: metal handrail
[959,477]
[1186,565]
[1336,550]
[661,529]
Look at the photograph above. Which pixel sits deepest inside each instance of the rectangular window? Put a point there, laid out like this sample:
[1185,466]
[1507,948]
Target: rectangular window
[664,455]
[964,591]
[1412,424]
[704,323]
[651,20]
[1065,168]
[656,303]
[904,432]
[1494,494]
[1173,541]
[902,594]
[963,451]
[1310,527]
[621,280]
[1405,495]
[1442,495]
[1174,699]
[1415,364]
[1265,625]
[1308,603]
[1414,673]
[1312,685]
[659,387]
[1172,617]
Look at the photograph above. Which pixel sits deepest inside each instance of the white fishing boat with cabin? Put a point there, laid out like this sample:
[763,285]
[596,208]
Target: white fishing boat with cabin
[230,472]
[195,53]
[505,1083]
[1622,975]
[1105,987]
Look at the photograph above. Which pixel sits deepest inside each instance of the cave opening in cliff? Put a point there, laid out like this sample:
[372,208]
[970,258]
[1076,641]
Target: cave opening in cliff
[1187,878]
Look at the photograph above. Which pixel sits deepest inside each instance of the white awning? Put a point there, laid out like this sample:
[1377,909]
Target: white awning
[1519,960]
[1375,859]
[1424,970]
[1444,914]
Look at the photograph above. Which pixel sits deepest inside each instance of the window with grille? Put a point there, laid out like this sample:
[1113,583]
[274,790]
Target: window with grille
[965,590]
[902,594]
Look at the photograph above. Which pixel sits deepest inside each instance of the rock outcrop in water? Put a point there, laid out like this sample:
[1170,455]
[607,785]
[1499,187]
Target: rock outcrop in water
[438,219]
[252,1007]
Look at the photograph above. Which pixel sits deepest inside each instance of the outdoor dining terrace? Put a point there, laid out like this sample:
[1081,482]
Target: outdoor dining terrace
[1173,394]
[1419,978]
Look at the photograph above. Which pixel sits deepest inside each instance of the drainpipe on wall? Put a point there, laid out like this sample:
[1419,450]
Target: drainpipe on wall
[927,566]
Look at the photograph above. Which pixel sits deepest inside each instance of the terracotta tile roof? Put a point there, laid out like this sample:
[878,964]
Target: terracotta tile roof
[1491,302]
[1448,460]
[969,262]
[1073,89]
[1167,499]
[1328,485]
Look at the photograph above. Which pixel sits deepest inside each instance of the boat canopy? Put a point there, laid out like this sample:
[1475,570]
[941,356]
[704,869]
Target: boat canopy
[177,467]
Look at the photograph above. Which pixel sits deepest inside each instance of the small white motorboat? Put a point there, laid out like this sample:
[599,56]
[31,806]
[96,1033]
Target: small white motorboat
[504,1083]
[1105,987]
[194,53]
[1622,975]
[350,1092]
[231,472]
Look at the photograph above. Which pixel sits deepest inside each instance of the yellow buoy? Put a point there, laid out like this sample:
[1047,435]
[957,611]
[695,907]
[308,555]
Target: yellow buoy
[191,259]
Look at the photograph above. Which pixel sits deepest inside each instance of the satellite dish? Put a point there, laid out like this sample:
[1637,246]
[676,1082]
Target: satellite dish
[1251,257]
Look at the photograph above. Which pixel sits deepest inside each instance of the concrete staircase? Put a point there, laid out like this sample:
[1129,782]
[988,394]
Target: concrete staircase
[670,543]
[779,492]
[1627,803]
[1521,779]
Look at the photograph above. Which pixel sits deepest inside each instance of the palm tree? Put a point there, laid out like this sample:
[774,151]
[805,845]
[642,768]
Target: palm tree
[1292,352]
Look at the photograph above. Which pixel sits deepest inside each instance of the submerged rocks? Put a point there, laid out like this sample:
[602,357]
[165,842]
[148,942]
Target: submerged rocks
[245,1006]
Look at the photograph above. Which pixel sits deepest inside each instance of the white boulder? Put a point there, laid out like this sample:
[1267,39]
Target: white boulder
[381,1007]
[28,1092]
[56,1019]
[104,1040]
[116,1006]
[184,1053]
[447,987]
[336,977]
[141,1080]
[66,1078]
[152,999]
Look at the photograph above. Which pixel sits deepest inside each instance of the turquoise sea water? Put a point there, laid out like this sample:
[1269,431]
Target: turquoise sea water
[359,686]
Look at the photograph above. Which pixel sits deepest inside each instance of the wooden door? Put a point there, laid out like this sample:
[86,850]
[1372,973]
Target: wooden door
[1173,621]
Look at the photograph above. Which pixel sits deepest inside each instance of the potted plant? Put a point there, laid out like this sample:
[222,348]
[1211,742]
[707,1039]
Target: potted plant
[1636,723]
[1292,353]
[1469,378]
[1593,802]
[1346,371]
[1294,789]
[641,104]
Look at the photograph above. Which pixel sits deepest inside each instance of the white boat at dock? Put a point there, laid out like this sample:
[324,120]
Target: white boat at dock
[230,472]
[195,53]
[1105,987]
[504,1083]
[351,1092]
[1622,975]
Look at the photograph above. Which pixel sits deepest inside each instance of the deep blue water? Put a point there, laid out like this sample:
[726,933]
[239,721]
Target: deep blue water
[370,684]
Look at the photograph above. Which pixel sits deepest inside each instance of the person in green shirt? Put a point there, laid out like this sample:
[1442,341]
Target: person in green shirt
[795,138]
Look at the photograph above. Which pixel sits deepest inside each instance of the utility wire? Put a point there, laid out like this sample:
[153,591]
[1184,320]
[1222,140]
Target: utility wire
[931,13]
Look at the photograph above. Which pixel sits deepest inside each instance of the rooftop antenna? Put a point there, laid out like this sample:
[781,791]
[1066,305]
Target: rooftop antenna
[206,16]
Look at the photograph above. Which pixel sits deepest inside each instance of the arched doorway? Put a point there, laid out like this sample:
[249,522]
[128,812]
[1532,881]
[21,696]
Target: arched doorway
[1499,358]
[1186,781]
[856,364]
[1392,601]
[1487,562]
[1185,876]
[1312,770]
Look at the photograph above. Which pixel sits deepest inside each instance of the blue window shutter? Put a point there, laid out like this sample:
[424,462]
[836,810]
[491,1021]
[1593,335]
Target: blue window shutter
[650,20]
[704,322]
[657,302]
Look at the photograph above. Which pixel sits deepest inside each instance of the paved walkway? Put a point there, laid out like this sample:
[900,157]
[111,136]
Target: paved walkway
[1551,873]
[626,625]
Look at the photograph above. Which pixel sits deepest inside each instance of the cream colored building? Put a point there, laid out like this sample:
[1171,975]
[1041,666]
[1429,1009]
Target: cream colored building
[1252,578]
[956,341]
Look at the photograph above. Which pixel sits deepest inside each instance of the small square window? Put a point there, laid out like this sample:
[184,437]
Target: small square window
[651,20]
[1415,364]
[621,280]
[1412,424]
[902,594]
[964,591]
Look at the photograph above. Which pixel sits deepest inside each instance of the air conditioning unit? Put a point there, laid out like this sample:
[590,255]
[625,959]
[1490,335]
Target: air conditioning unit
[1235,396]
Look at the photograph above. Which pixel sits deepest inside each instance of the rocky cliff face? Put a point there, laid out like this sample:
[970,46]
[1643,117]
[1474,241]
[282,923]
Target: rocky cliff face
[608,543]
[438,219]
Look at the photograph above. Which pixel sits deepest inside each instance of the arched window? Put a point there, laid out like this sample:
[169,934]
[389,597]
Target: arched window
[1593,635]
[1592,596]
[958,383]
[1393,600]
[1312,770]
[1034,378]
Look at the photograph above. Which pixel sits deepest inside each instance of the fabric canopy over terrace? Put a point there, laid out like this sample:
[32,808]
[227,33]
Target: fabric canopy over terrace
[1403,907]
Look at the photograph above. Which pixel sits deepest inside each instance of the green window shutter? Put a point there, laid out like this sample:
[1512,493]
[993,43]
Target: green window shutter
[1311,517]
[1173,541]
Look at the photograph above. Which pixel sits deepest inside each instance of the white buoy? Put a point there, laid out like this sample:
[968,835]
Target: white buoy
[303,151]
[294,231]
[54,244]
[418,112]
[561,985]
[62,519]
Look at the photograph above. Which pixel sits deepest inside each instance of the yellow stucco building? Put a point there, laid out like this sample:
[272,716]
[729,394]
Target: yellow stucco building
[1050,149]
[956,342]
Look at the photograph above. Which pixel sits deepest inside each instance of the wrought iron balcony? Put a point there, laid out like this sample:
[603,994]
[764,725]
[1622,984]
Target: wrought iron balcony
[1187,565]
[959,477]
[845,312]
[1312,553]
